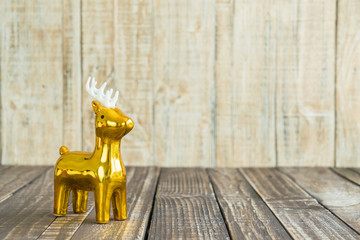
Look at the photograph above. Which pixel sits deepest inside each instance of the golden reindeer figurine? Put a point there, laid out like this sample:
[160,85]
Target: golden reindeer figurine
[103,170]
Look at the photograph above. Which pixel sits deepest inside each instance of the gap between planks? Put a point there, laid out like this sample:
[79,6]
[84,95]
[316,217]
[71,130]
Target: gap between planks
[335,193]
[29,211]
[301,214]
[227,187]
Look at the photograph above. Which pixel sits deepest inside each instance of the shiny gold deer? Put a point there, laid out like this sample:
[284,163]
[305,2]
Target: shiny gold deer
[103,170]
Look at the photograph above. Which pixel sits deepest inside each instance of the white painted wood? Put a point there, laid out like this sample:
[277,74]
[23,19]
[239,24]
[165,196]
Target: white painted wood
[134,77]
[245,84]
[304,60]
[183,58]
[348,84]
[31,82]
[97,34]
[71,36]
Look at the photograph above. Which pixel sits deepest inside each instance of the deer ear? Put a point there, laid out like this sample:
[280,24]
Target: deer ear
[96,106]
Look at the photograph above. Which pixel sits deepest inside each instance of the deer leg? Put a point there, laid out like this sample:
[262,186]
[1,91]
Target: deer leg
[102,203]
[61,198]
[119,203]
[80,200]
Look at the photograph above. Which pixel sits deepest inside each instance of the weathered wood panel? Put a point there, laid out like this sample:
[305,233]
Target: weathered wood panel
[301,215]
[208,83]
[140,194]
[245,213]
[183,68]
[72,78]
[185,207]
[334,192]
[245,82]
[223,82]
[1,40]
[348,84]
[31,81]
[97,34]
[29,212]
[13,178]
[304,60]
[133,22]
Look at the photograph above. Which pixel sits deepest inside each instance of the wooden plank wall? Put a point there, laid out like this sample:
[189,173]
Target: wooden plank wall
[208,83]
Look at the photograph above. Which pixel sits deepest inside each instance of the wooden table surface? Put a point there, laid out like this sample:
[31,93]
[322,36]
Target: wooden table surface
[174,203]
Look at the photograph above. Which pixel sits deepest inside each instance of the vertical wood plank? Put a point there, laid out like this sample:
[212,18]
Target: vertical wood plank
[223,64]
[246,86]
[133,71]
[97,32]
[348,84]
[1,106]
[72,74]
[31,81]
[305,58]
[183,82]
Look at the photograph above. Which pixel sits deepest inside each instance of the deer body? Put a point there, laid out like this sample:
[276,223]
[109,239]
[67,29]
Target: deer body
[102,171]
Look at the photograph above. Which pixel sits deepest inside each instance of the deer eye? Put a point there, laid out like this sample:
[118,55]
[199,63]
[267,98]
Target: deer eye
[102,116]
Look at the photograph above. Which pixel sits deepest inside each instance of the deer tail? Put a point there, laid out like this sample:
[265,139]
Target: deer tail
[63,150]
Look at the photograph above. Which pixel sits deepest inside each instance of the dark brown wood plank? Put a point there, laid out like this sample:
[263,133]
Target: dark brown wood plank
[334,192]
[246,214]
[140,194]
[12,178]
[186,207]
[29,211]
[301,215]
[351,174]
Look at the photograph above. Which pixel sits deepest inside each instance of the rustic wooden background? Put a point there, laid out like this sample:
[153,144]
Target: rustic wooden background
[208,83]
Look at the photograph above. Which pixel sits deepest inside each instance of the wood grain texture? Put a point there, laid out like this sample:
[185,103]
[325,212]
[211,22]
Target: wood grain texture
[65,227]
[140,193]
[348,84]
[185,207]
[223,82]
[183,68]
[349,173]
[1,40]
[31,81]
[208,83]
[245,83]
[245,213]
[334,192]
[29,212]
[97,33]
[133,22]
[301,215]
[13,178]
[72,78]
[304,69]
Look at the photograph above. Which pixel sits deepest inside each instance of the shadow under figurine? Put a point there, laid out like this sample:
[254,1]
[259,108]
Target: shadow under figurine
[103,170]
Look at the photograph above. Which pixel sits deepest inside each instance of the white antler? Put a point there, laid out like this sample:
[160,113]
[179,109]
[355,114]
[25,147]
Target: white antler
[99,94]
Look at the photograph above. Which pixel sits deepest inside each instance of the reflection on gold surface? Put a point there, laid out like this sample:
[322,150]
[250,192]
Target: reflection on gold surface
[102,171]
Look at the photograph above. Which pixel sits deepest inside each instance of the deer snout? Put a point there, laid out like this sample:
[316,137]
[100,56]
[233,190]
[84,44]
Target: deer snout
[129,124]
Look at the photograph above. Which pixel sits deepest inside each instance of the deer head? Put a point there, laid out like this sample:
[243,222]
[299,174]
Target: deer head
[110,122]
